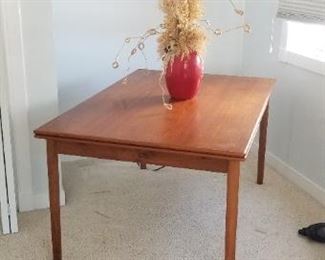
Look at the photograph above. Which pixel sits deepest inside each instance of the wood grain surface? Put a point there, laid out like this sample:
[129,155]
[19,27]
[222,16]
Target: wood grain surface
[221,121]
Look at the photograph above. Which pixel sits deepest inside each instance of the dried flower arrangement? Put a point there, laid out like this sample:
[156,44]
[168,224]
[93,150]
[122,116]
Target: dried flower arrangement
[182,33]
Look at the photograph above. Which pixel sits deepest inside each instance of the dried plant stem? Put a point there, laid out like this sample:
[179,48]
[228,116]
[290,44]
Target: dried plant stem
[181,33]
[164,92]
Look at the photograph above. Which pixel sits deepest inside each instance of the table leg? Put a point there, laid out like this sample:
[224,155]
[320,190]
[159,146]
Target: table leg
[232,209]
[143,166]
[262,146]
[54,192]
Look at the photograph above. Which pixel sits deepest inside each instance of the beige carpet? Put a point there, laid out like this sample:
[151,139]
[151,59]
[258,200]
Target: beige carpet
[116,211]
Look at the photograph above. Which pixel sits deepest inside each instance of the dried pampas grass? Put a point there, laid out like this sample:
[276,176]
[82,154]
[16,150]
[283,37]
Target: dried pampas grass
[182,34]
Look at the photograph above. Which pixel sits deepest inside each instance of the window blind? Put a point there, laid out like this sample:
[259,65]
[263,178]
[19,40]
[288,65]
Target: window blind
[312,11]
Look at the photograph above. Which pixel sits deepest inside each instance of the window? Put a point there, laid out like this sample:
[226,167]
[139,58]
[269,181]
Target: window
[304,46]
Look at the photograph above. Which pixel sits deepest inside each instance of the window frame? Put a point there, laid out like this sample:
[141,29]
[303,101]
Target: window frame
[296,59]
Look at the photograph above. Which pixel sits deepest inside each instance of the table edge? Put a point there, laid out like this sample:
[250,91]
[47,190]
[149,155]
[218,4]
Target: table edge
[41,134]
[234,157]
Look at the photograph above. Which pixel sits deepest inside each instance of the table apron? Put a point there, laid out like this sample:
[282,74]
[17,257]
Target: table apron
[144,155]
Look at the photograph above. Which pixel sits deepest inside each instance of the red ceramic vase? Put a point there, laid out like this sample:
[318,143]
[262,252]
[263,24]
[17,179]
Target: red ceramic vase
[183,76]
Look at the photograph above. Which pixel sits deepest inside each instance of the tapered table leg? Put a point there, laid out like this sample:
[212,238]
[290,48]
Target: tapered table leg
[143,166]
[54,192]
[262,146]
[232,209]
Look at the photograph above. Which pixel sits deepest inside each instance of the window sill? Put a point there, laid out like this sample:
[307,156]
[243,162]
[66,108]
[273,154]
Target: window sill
[300,61]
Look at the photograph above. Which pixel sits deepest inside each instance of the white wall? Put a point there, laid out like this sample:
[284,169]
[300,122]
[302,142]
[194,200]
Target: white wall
[41,80]
[89,33]
[297,123]
[33,92]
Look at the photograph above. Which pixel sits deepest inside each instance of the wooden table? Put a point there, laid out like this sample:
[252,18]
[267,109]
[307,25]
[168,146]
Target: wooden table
[212,132]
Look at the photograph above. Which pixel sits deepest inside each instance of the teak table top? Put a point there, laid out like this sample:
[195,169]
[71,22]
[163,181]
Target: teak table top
[221,121]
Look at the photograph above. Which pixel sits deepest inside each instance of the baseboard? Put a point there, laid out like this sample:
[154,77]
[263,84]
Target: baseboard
[41,200]
[25,202]
[29,201]
[294,176]
[310,187]
[38,201]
